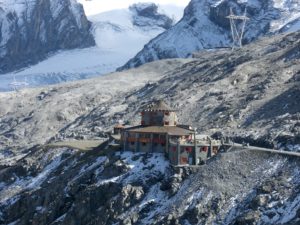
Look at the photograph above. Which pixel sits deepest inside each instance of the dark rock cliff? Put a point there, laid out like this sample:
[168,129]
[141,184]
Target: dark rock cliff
[31,30]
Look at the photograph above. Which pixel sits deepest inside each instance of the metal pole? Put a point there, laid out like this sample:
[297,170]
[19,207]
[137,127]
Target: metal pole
[178,153]
[195,146]
[209,154]
[151,138]
[237,37]
[125,141]
[137,142]
[243,28]
[167,143]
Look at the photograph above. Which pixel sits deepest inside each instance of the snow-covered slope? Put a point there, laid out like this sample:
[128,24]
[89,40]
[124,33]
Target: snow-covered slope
[119,35]
[29,30]
[204,26]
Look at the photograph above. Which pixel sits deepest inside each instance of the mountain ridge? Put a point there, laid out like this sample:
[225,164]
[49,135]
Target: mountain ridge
[204,26]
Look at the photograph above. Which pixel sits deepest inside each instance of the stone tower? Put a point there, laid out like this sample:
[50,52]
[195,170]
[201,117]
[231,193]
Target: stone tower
[158,114]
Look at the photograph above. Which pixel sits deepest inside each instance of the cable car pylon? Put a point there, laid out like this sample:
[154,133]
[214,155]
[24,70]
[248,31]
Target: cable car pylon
[236,33]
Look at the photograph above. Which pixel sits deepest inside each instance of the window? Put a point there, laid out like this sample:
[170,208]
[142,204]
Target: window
[215,150]
[166,123]
[144,143]
[204,149]
[132,143]
[163,144]
[183,160]
[167,113]
[188,149]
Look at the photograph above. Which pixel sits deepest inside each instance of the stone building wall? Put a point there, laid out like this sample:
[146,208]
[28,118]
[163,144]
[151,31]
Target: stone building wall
[159,118]
[141,142]
[185,154]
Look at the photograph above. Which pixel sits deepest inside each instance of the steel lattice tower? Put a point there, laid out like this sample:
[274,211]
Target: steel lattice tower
[237,34]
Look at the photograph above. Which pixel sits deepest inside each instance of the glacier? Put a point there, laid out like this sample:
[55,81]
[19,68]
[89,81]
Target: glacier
[117,40]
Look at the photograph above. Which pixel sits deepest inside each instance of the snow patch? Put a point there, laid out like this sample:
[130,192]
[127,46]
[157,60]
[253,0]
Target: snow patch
[8,159]
[293,148]
[154,164]
[61,218]
[9,194]
[38,180]
[140,167]
[97,163]
[106,181]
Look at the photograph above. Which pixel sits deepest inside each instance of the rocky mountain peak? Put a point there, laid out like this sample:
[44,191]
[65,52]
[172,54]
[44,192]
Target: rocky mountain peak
[204,26]
[30,30]
[144,9]
[147,14]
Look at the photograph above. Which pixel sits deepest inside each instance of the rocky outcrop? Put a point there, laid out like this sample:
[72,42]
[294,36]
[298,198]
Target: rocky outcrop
[204,26]
[147,15]
[62,186]
[29,30]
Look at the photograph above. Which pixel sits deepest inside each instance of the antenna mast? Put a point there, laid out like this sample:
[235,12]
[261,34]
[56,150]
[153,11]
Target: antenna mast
[237,35]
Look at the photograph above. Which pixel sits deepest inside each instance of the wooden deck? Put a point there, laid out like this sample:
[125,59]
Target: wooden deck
[84,145]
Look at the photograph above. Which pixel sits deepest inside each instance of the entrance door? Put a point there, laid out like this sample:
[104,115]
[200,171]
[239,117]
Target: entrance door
[190,160]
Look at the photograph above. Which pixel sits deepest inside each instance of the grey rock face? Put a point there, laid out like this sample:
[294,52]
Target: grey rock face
[146,14]
[31,30]
[61,186]
[204,26]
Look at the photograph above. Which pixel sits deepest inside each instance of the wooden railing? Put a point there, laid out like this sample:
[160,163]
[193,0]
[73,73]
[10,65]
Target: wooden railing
[146,140]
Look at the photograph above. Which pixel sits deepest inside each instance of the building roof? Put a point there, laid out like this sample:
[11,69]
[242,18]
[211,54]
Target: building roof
[116,136]
[158,106]
[171,130]
[119,126]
